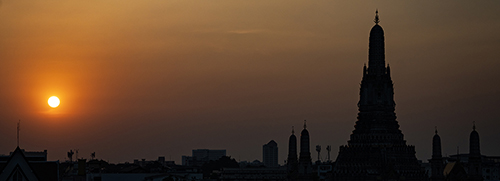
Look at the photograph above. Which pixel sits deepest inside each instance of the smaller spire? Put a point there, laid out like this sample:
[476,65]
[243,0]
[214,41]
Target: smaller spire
[293,131]
[376,17]
[436,130]
[305,124]
[474,125]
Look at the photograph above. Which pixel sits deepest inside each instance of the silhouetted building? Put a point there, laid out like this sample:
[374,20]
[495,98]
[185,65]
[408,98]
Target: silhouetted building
[201,156]
[270,154]
[454,171]
[305,163]
[377,149]
[32,166]
[437,161]
[30,155]
[241,174]
[292,162]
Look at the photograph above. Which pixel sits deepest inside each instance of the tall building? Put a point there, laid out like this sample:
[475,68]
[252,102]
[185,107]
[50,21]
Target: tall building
[376,149]
[437,161]
[292,162]
[305,163]
[270,154]
[201,156]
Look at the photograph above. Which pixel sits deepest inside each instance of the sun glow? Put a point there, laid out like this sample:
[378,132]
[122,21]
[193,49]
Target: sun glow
[54,101]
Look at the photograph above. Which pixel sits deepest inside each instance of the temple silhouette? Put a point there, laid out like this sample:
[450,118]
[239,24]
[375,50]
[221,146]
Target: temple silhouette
[377,149]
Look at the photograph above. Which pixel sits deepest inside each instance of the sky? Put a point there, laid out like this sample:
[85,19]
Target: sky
[142,79]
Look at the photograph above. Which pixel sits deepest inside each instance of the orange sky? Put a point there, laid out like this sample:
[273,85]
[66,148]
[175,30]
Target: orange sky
[142,79]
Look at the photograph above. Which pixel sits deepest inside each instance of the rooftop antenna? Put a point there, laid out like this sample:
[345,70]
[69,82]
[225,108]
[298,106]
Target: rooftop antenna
[70,156]
[18,129]
[328,148]
[318,149]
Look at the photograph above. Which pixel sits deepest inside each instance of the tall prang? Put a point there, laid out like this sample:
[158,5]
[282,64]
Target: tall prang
[305,163]
[377,149]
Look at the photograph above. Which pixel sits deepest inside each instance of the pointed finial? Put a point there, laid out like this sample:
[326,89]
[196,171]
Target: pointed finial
[305,124]
[376,17]
[474,125]
[293,131]
[436,129]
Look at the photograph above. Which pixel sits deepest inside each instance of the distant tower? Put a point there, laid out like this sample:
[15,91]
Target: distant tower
[437,162]
[270,154]
[474,165]
[292,162]
[305,164]
[328,148]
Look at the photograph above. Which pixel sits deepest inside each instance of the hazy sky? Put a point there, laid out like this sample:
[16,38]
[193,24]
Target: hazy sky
[142,79]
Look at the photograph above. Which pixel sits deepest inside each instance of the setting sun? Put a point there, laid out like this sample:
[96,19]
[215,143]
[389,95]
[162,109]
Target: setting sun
[54,101]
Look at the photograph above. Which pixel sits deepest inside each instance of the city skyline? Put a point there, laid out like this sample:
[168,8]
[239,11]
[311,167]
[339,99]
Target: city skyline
[147,79]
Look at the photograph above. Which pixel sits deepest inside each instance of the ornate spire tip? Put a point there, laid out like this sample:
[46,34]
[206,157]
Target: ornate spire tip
[376,17]
[305,124]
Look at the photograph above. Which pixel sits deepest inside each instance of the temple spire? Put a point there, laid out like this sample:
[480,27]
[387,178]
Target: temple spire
[293,131]
[305,126]
[436,162]
[376,50]
[376,17]
[436,145]
[474,125]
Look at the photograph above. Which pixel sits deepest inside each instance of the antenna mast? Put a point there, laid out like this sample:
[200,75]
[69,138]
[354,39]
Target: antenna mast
[318,149]
[328,148]
[18,129]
